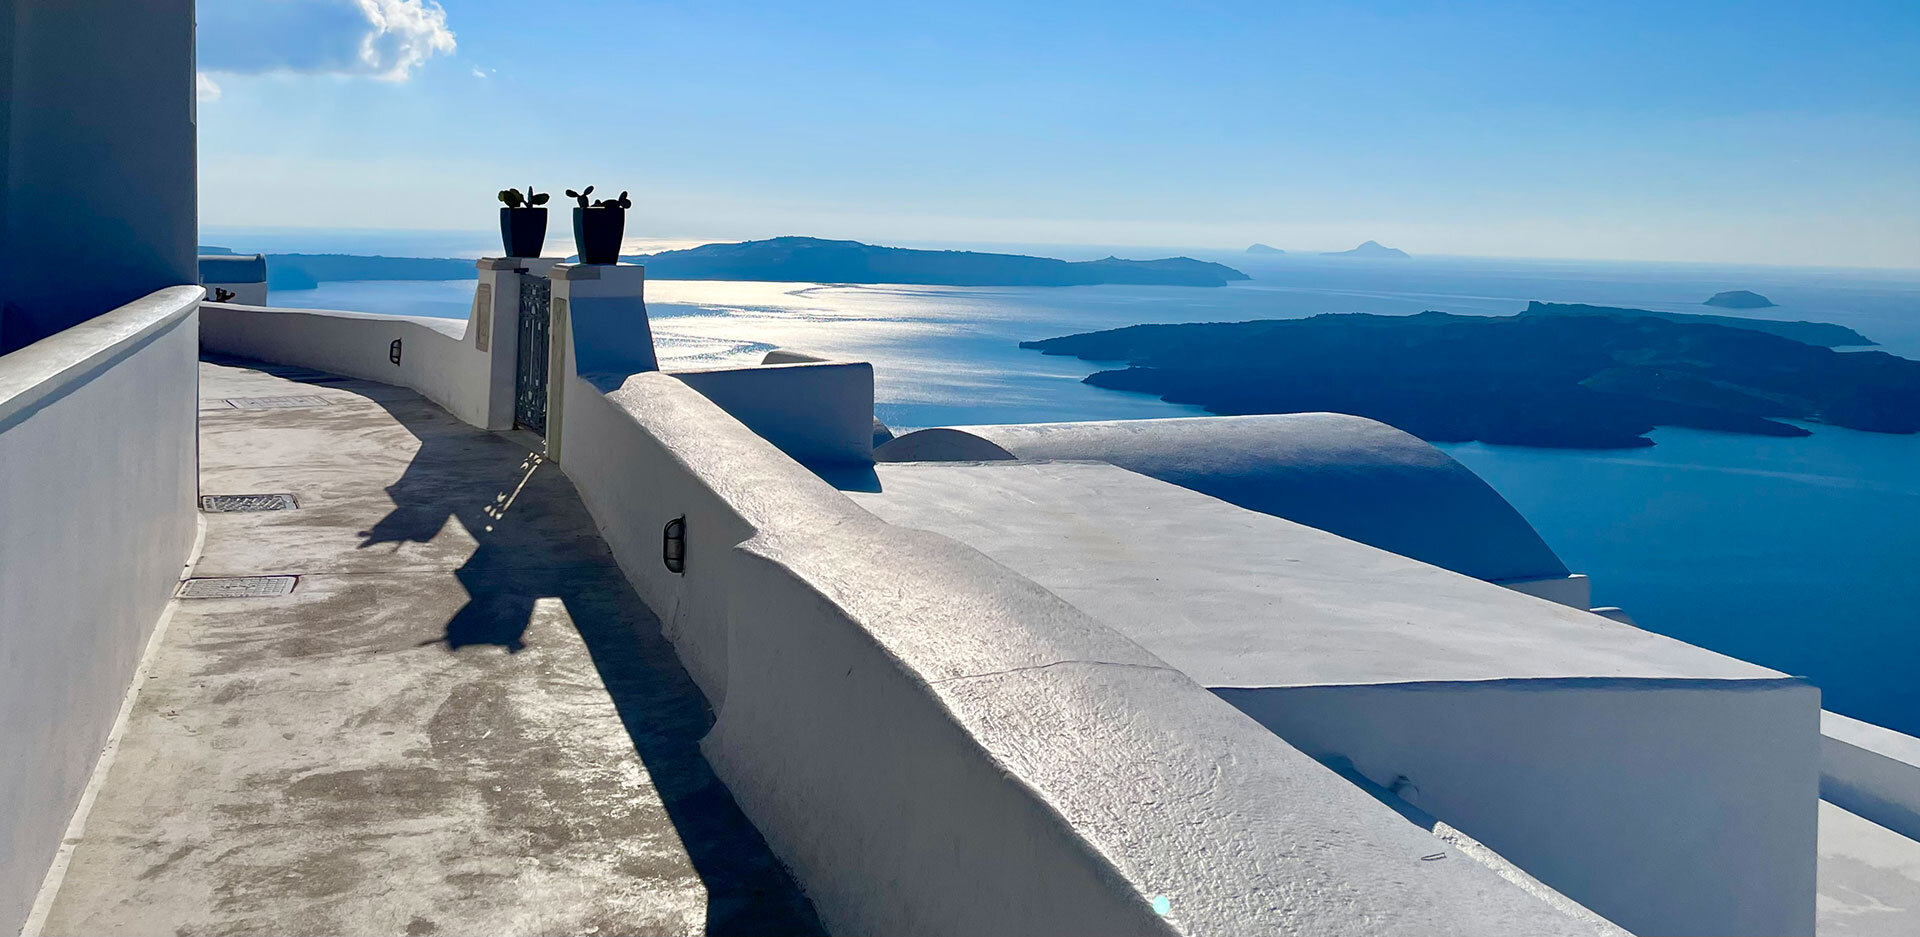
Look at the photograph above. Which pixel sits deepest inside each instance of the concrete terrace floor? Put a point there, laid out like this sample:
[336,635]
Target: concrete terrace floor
[462,719]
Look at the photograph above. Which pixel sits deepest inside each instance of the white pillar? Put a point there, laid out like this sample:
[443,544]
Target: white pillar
[600,334]
[493,327]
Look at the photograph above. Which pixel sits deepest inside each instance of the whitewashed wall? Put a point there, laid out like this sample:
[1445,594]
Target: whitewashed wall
[452,363]
[934,744]
[98,475]
[1666,806]
[1871,771]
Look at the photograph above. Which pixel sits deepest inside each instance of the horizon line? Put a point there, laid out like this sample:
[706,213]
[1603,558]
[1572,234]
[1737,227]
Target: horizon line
[974,245]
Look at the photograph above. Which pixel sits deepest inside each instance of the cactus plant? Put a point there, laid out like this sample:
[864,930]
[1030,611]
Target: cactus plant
[513,199]
[581,197]
[597,231]
[523,222]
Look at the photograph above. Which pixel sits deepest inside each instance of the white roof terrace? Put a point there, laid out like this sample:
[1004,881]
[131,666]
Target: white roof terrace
[1573,745]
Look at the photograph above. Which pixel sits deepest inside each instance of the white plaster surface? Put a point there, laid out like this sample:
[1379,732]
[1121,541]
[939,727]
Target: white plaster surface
[817,412]
[244,276]
[97,485]
[1240,598]
[1871,771]
[439,357]
[935,744]
[1358,478]
[1869,878]
[1595,756]
[599,332]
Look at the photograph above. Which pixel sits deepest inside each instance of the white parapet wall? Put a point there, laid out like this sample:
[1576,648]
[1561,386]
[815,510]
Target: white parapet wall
[1871,772]
[98,468]
[235,278]
[820,413]
[465,367]
[934,744]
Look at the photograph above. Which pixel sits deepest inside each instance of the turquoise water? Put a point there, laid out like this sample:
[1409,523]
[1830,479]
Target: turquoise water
[1793,553]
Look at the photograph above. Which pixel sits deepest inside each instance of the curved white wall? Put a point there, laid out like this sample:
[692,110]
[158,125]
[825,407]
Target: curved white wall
[440,358]
[1347,475]
[98,466]
[934,744]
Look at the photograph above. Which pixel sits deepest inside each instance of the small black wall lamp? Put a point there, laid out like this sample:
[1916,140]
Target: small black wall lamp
[673,545]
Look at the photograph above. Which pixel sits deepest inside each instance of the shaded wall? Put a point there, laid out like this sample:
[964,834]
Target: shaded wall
[100,164]
[98,462]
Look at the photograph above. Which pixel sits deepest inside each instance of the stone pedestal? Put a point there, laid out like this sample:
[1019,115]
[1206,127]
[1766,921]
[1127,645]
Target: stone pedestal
[600,333]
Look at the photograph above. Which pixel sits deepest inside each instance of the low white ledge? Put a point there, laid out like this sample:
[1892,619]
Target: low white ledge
[1870,771]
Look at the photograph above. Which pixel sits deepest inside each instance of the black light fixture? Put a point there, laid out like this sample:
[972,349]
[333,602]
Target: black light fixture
[393,351]
[673,545]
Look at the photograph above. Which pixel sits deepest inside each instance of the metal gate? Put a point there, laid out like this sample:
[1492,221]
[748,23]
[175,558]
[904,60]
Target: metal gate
[530,370]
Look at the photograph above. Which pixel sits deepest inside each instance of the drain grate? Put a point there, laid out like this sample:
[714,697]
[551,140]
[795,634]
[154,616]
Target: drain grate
[278,403]
[234,504]
[238,587]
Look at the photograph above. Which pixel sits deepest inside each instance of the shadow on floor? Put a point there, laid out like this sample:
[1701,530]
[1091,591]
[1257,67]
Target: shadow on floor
[536,541]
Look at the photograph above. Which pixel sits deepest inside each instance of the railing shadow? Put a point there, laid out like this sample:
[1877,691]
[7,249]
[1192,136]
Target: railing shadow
[535,541]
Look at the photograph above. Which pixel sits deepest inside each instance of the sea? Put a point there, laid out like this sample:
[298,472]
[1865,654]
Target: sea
[1797,554]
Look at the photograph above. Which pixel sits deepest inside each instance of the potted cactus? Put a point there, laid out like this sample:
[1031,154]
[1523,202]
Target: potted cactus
[523,222]
[598,226]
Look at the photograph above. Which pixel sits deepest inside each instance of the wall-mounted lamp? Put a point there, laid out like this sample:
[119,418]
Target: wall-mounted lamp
[673,545]
[393,351]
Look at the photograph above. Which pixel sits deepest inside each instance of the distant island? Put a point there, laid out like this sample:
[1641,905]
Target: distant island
[814,260]
[1574,381]
[306,271]
[1738,299]
[1264,249]
[801,259]
[1369,249]
[1824,334]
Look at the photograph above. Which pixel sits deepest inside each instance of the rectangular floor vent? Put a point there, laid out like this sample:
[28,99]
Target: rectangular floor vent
[277,403]
[238,587]
[234,504]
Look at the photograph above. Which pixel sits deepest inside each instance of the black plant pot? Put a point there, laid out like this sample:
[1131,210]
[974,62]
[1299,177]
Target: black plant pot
[597,233]
[523,231]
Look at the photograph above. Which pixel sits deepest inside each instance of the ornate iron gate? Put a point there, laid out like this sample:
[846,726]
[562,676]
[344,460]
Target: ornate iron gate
[530,371]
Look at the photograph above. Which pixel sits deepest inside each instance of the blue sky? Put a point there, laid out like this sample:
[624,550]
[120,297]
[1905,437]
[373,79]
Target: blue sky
[1751,132]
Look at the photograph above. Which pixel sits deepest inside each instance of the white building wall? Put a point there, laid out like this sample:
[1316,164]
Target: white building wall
[98,475]
[1666,806]
[101,164]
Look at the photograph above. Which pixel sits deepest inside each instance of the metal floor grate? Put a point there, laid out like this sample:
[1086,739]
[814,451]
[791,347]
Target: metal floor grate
[277,403]
[234,504]
[238,587]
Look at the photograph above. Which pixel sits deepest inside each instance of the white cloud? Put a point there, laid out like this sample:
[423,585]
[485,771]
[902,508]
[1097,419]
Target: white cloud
[381,39]
[479,72]
[204,88]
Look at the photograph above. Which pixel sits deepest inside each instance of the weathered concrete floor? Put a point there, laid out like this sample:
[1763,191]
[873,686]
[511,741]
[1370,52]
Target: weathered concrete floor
[1869,878]
[461,721]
